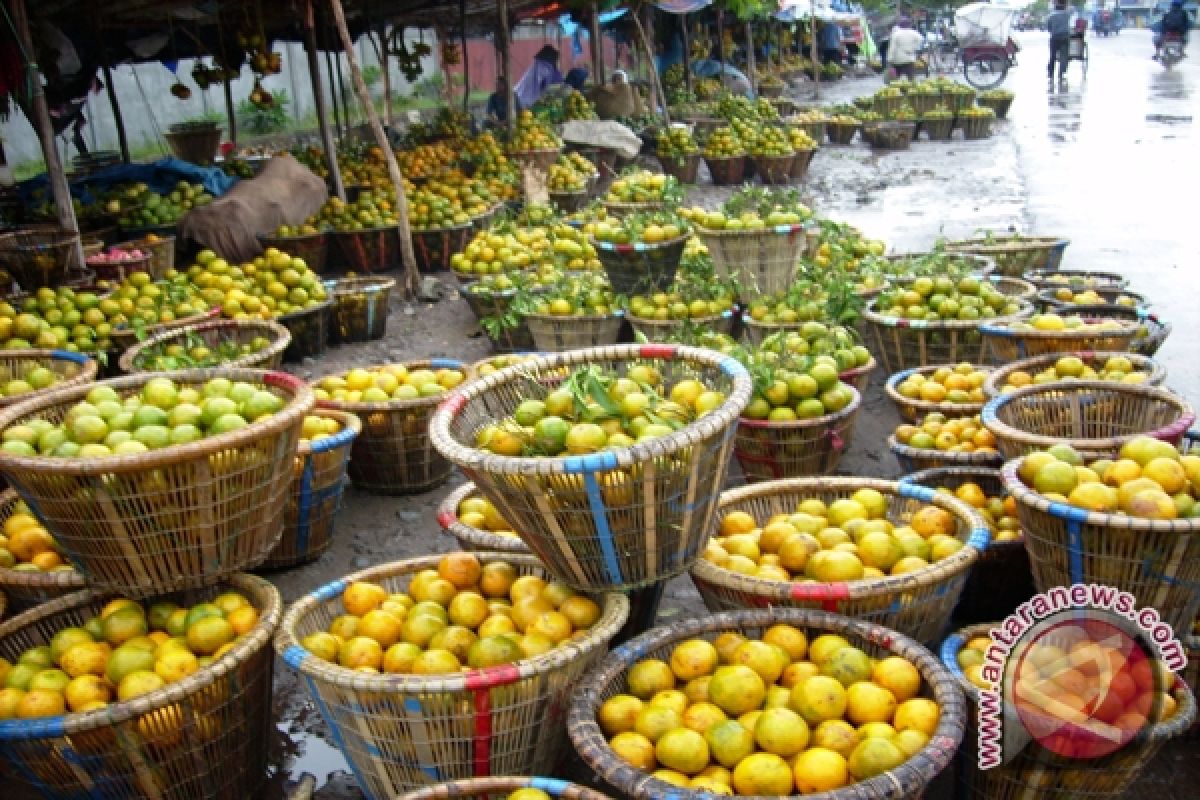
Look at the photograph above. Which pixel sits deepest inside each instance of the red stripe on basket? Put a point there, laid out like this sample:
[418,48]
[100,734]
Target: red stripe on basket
[454,403]
[446,518]
[665,351]
[491,676]
[283,380]
[483,733]
[828,594]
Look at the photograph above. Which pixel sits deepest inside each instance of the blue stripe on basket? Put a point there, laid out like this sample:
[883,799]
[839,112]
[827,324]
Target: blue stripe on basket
[552,786]
[445,363]
[67,355]
[304,507]
[336,732]
[916,491]
[603,532]
[329,590]
[731,367]
[997,330]
[629,652]
[294,656]
[344,436]
[900,376]
[592,462]
[954,642]
[29,776]
[980,538]
[41,728]
[988,414]
[1075,550]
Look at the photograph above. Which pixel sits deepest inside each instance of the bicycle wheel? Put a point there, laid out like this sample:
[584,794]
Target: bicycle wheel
[985,71]
[943,60]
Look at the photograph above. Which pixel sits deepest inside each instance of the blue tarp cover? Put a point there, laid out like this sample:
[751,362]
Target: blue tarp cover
[161,176]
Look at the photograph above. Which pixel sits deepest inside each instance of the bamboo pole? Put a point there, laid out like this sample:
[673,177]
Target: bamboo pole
[45,128]
[816,58]
[597,45]
[333,95]
[687,53]
[122,139]
[502,44]
[314,73]
[751,70]
[347,116]
[230,113]
[655,85]
[407,256]
[384,62]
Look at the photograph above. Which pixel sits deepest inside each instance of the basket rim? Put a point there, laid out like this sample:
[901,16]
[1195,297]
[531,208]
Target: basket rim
[484,787]
[87,373]
[938,473]
[992,387]
[948,655]
[351,428]
[399,405]
[629,247]
[1027,288]
[447,518]
[60,579]
[120,334]
[1040,278]
[616,314]
[926,406]
[1046,295]
[632,206]
[324,305]
[877,318]
[300,403]
[973,458]
[773,230]
[1009,244]
[709,318]
[1002,429]
[815,422]
[978,541]
[613,615]
[709,159]
[267,239]
[359,283]
[915,773]
[720,418]
[1129,328]
[269,606]
[281,337]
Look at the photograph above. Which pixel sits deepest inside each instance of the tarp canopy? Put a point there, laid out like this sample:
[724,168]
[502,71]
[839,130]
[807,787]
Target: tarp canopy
[983,22]
[824,10]
[161,176]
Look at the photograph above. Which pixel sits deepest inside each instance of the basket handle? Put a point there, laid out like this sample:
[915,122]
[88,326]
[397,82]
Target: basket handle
[283,380]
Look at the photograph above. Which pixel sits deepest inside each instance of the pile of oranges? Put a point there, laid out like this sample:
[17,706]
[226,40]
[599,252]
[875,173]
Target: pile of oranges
[935,431]
[27,546]
[961,383]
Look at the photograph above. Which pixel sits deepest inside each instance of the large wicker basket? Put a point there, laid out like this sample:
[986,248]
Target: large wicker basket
[681,169]
[801,164]
[726,171]
[1006,344]
[904,343]
[313,248]
[1013,287]
[913,408]
[842,132]
[470,537]
[1151,333]
[1036,773]
[625,518]
[360,308]
[213,333]
[25,589]
[309,329]
[393,453]
[204,736]
[639,267]
[70,369]
[1094,417]
[488,788]
[401,732]
[906,782]
[433,247]
[912,458]
[767,450]
[662,330]
[997,380]
[125,337]
[162,254]
[774,170]
[1001,579]
[889,135]
[367,251]
[1016,256]
[555,334]
[1075,279]
[761,261]
[318,480]
[939,129]
[1107,297]
[918,604]
[168,519]
[510,339]
[38,256]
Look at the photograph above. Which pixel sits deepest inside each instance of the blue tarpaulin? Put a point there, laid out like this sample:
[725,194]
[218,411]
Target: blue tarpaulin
[161,177]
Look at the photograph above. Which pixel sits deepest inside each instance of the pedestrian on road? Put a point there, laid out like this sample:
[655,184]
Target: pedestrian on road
[1176,21]
[903,48]
[1059,26]
[830,38]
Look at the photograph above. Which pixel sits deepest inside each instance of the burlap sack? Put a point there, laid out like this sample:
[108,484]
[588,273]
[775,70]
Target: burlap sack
[284,193]
[615,100]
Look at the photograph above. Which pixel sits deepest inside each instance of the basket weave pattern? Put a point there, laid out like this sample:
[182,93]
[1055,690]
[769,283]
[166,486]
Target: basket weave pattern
[1045,279]
[70,369]
[204,736]
[370,250]
[842,132]
[1015,257]
[28,588]
[726,171]
[774,170]
[917,604]
[1007,344]
[998,378]
[471,538]
[768,450]
[405,732]
[213,333]
[661,330]
[554,334]
[912,459]
[640,268]
[904,344]
[761,261]
[310,331]
[360,308]
[433,247]
[168,519]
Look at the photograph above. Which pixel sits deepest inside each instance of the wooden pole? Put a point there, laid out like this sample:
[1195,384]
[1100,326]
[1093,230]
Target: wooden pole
[656,87]
[687,53]
[347,117]
[384,63]
[597,46]
[502,44]
[720,34]
[466,62]
[314,73]
[407,256]
[333,94]
[230,113]
[122,139]
[816,58]
[45,128]
[751,70]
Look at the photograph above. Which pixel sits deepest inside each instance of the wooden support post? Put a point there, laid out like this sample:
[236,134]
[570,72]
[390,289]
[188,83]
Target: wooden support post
[466,62]
[122,139]
[333,94]
[655,85]
[347,117]
[751,70]
[407,256]
[385,63]
[816,58]
[503,34]
[597,46]
[314,73]
[230,112]
[687,53]
[720,33]
[45,128]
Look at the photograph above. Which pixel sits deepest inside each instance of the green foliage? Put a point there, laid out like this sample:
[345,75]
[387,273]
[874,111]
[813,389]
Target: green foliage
[747,10]
[257,120]
[372,74]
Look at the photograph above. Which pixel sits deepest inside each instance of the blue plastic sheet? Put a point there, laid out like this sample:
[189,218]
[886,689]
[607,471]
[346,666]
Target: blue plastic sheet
[161,176]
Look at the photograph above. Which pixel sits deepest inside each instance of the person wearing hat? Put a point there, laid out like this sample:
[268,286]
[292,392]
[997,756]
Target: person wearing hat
[904,46]
[541,75]
[1175,22]
[1058,24]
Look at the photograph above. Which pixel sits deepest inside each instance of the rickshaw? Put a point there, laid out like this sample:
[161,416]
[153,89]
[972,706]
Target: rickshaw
[987,49]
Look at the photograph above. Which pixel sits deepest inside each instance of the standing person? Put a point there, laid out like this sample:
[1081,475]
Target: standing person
[830,40]
[904,45]
[541,75]
[1059,26]
[497,106]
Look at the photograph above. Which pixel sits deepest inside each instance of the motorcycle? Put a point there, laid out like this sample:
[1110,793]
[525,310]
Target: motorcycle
[1172,50]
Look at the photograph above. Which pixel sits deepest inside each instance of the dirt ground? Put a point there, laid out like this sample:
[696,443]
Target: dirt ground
[908,199]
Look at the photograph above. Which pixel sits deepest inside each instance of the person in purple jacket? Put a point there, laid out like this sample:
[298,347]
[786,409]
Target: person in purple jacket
[541,75]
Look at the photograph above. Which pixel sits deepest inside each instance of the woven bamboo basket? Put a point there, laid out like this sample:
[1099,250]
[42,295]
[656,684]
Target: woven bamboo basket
[625,518]
[662,330]
[213,333]
[1006,344]
[1108,297]
[960,98]
[726,171]
[859,377]
[815,130]
[801,164]
[1158,561]
[761,261]
[162,255]
[360,308]
[433,247]
[1076,279]
[1151,331]
[70,370]
[204,736]
[912,459]
[468,536]
[917,604]
[1016,256]
[1001,579]
[313,248]
[767,450]
[318,480]
[38,256]
[369,250]
[756,332]
[774,170]
[640,267]
[402,732]
[393,453]
[25,589]
[976,127]
[906,782]
[923,102]
[999,105]
[682,169]
[516,339]
[123,338]
[913,408]
[938,130]
[117,271]
[997,379]
[1013,287]
[554,334]
[570,202]
[889,135]
[885,106]
[842,132]
[1094,417]
[168,519]
[622,209]
[488,788]
[309,329]
[1036,773]
[904,343]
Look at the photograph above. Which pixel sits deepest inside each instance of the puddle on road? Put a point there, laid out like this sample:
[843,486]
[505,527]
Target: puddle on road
[312,755]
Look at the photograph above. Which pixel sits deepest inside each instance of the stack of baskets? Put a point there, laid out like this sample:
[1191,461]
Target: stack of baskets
[1017,255]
